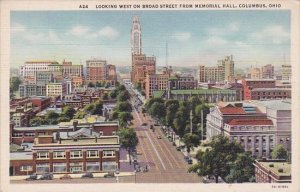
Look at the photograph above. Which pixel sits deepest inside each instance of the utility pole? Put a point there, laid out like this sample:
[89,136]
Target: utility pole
[191,118]
[202,127]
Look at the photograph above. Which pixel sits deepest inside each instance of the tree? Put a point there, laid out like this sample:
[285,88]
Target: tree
[128,139]
[124,118]
[98,84]
[80,115]
[157,110]
[68,112]
[36,121]
[91,84]
[121,88]
[14,83]
[170,113]
[113,94]
[107,85]
[151,101]
[105,96]
[180,122]
[98,106]
[243,169]
[279,152]
[217,160]
[123,96]
[191,140]
[124,107]
[89,108]
[52,117]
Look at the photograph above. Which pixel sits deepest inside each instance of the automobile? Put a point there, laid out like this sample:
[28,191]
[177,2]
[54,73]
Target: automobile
[190,161]
[31,177]
[46,176]
[144,124]
[158,137]
[87,175]
[66,176]
[178,148]
[109,175]
[186,158]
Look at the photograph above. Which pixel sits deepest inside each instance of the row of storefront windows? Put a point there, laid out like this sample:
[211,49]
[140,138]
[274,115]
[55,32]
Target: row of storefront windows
[75,154]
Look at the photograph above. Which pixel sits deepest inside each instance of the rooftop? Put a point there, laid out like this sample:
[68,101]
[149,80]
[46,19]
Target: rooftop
[43,127]
[250,122]
[271,89]
[158,94]
[203,91]
[21,156]
[275,104]
[285,166]
[103,140]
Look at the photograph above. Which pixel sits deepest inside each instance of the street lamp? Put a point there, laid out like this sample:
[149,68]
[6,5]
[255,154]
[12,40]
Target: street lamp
[117,172]
[135,172]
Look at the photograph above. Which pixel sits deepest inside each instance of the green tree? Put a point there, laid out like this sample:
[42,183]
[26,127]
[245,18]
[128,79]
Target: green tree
[123,96]
[151,101]
[68,112]
[107,85]
[105,96]
[91,84]
[191,140]
[52,117]
[124,106]
[98,84]
[98,106]
[14,83]
[157,110]
[36,121]
[113,94]
[89,108]
[242,169]
[170,114]
[124,118]
[121,88]
[80,114]
[217,160]
[128,139]
[279,152]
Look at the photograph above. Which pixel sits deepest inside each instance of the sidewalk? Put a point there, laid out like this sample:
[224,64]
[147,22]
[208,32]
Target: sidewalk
[74,176]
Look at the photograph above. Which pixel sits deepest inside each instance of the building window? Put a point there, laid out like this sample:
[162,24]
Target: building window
[108,153]
[287,139]
[42,155]
[92,154]
[29,134]
[18,134]
[59,155]
[109,166]
[26,168]
[92,166]
[76,167]
[59,167]
[75,154]
[113,133]
[42,168]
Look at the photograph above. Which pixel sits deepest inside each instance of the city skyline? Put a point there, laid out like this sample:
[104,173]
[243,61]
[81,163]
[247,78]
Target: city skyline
[194,37]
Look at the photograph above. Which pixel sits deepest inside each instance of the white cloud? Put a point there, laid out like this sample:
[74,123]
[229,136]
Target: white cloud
[233,27]
[274,33]
[182,36]
[17,27]
[40,38]
[223,31]
[216,41]
[79,31]
[108,32]
[86,32]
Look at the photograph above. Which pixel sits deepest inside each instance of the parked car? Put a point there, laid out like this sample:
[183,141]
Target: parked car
[178,148]
[109,175]
[46,176]
[144,124]
[186,158]
[31,177]
[158,137]
[190,161]
[66,176]
[87,175]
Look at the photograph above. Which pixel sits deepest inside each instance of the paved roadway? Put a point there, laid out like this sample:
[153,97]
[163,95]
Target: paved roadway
[166,164]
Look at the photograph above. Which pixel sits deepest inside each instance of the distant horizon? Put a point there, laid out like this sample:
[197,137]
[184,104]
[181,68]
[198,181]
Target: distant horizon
[194,38]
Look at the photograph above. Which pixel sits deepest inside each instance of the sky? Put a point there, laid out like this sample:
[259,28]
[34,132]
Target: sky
[254,38]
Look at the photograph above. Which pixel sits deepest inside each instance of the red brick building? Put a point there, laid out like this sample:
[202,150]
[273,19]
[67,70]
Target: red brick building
[41,102]
[272,171]
[72,155]
[261,89]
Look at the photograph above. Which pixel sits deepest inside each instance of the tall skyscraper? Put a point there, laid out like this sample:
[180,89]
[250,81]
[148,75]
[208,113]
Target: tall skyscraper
[267,72]
[228,65]
[136,37]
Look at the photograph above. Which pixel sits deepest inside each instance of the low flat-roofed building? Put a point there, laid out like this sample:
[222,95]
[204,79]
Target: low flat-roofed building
[272,171]
[21,163]
[76,155]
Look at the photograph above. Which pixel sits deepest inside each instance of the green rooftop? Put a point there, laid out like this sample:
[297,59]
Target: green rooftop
[203,91]
[158,94]
[285,166]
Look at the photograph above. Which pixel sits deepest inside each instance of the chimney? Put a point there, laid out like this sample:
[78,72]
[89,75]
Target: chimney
[59,140]
[75,124]
[91,131]
[96,139]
